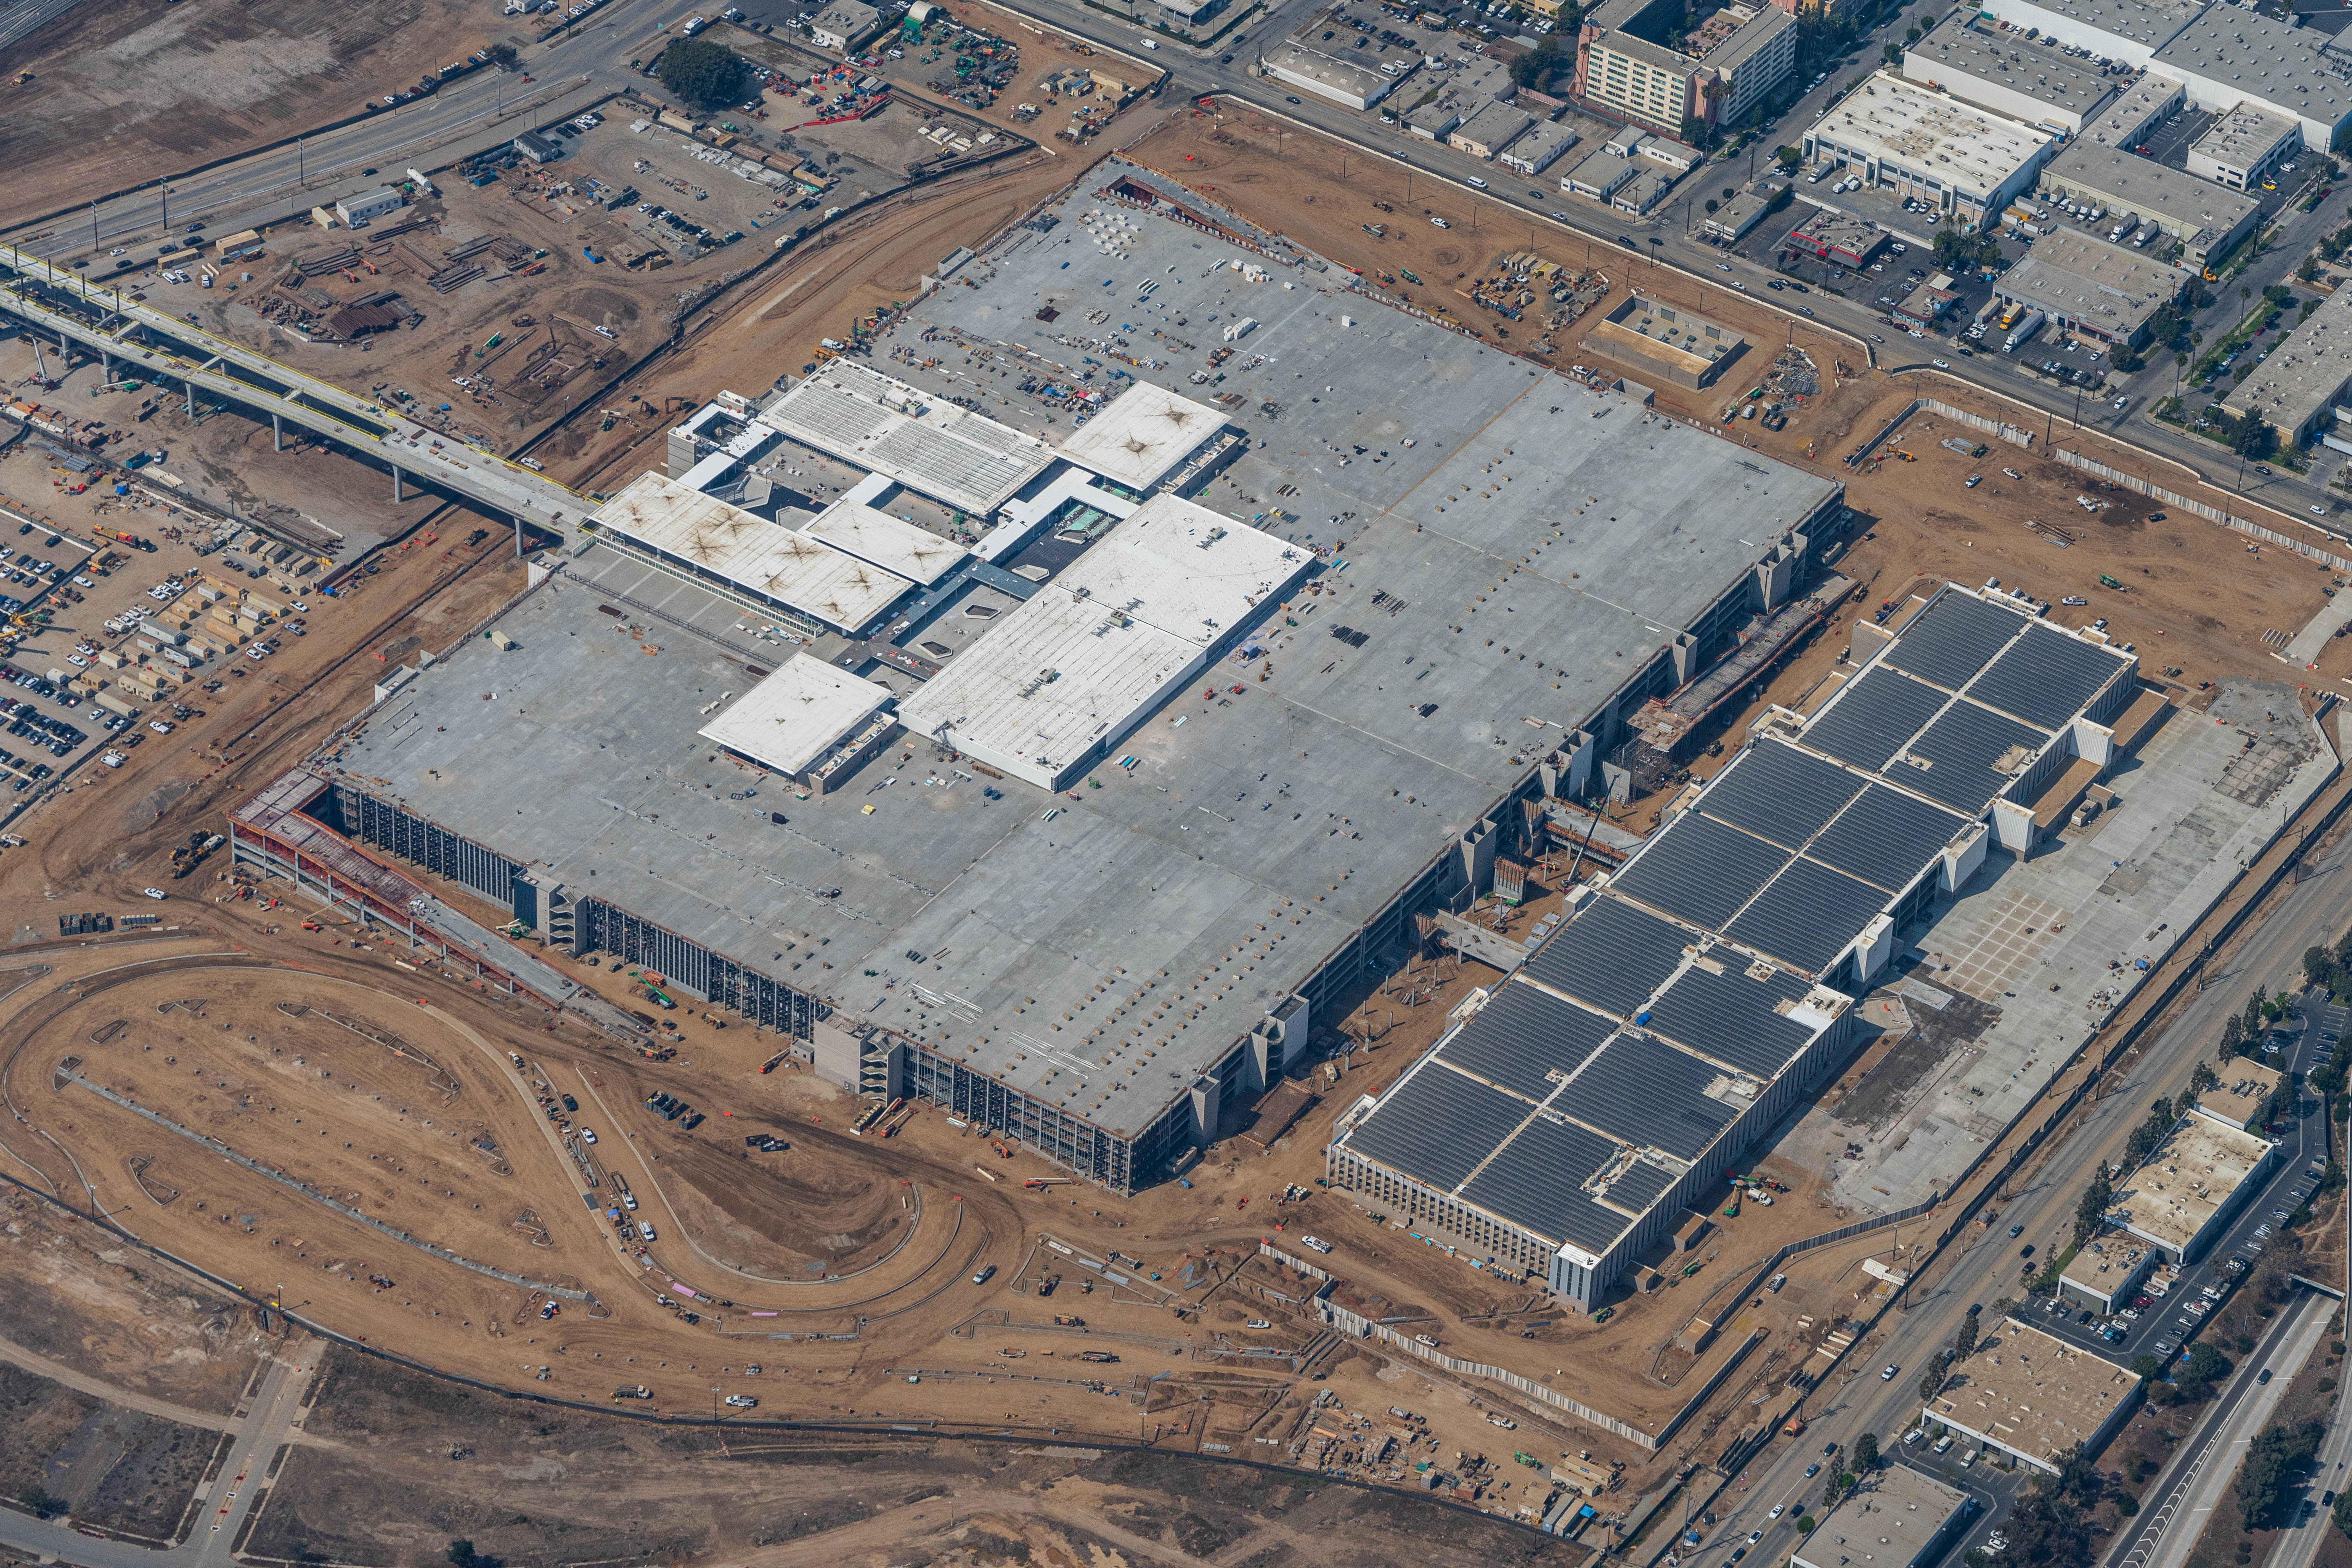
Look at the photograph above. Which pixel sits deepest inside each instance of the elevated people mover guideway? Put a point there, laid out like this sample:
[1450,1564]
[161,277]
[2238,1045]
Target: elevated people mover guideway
[65,307]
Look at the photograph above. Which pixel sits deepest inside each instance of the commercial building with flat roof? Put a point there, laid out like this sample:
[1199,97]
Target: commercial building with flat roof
[2085,284]
[2180,1200]
[2105,1272]
[1633,62]
[1665,340]
[957,458]
[1998,69]
[1333,60]
[2297,389]
[2128,121]
[1488,131]
[1832,235]
[1647,1038]
[2205,218]
[2242,1095]
[2130,31]
[2230,55]
[1103,974]
[1964,160]
[1897,1518]
[1539,149]
[2243,147]
[845,25]
[1600,176]
[2035,1397]
[1730,223]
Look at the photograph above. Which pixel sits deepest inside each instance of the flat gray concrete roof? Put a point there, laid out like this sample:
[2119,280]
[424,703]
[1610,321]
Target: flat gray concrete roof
[1530,549]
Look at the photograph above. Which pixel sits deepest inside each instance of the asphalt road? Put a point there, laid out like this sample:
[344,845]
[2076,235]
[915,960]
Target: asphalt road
[1987,1267]
[228,1497]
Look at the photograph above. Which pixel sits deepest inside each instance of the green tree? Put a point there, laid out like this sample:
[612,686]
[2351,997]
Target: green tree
[2272,1461]
[2091,1207]
[1539,66]
[2202,1079]
[503,57]
[1865,1452]
[1931,1382]
[702,74]
[1788,158]
[2205,1367]
[2149,1368]
[1964,1343]
[2316,966]
[2343,1513]
[1806,1524]
[37,1501]
[2253,1014]
[461,1554]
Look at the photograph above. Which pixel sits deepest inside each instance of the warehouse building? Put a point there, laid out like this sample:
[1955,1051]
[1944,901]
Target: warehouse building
[2091,288]
[2297,388]
[2183,1197]
[2105,1274]
[2243,146]
[1832,235]
[2126,123]
[2130,31]
[2036,1398]
[1102,975]
[1678,1013]
[1332,60]
[1539,149]
[2230,55]
[2204,218]
[2241,1096]
[1628,65]
[1927,145]
[843,26]
[2000,71]
[368,205]
[1488,131]
[1897,1518]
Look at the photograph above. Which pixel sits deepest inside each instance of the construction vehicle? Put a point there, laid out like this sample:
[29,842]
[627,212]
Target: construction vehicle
[1099,1356]
[1046,1286]
[2108,582]
[1062,1320]
[1899,452]
[633,1391]
[1041,1182]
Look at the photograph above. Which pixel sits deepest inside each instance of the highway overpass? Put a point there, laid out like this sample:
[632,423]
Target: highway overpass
[62,308]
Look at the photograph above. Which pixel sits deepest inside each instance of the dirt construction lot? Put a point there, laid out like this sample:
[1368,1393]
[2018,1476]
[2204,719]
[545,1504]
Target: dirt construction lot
[151,87]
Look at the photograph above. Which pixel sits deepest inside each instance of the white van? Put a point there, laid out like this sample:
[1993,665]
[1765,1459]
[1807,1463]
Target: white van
[646,1229]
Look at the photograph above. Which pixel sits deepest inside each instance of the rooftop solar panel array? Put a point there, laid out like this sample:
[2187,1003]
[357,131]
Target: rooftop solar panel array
[1438,1125]
[1639,1185]
[1699,870]
[2046,677]
[1538,1181]
[1730,1018]
[1871,718]
[1886,837]
[1780,792]
[1808,916]
[1953,638]
[1651,1095]
[1960,749]
[1522,1037]
[1611,955]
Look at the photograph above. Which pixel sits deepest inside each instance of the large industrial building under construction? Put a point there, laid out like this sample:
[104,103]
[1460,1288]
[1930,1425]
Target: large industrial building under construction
[1573,1120]
[1055,743]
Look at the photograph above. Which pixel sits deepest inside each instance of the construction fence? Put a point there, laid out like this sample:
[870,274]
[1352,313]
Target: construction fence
[2210,513]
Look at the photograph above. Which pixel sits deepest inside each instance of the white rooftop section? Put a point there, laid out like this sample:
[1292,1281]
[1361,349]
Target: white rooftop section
[1904,123]
[2124,123]
[791,719]
[892,543]
[1065,676]
[2230,55]
[716,539]
[1142,436]
[2127,30]
[958,458]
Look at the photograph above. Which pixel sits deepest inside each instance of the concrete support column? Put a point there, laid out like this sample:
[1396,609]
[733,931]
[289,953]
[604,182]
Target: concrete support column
[106,363]
[192,398]
[277,432]
[395,483]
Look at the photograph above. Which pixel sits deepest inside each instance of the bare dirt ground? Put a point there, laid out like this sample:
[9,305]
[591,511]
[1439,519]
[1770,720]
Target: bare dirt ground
[537,1486]
[151,87]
